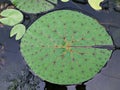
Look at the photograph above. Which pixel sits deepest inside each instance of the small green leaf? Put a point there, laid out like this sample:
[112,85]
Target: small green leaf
[64,0]
[95,4]
[11,17]
[18,30]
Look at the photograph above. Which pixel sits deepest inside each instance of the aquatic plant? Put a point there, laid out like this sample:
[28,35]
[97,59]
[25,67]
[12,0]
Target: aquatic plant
[34,6]
[59,47]
[18,30]
[95,4]
[12,17]
[64,0]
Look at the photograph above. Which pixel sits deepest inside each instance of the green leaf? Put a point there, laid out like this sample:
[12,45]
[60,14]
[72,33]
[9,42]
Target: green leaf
[95,4]
[64,0]
[11,17]
[58,47]
[34,6]
[18,30]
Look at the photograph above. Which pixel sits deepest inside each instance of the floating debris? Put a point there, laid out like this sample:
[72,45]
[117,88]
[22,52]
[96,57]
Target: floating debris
[117,5]
[2,62]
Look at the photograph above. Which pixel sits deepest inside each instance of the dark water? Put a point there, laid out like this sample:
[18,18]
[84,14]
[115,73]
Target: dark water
[15,74]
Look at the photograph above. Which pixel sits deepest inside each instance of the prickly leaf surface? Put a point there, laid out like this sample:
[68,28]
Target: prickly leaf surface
[57,47]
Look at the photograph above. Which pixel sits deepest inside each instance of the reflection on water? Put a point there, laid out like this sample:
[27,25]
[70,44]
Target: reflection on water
[15,75]
[109,78]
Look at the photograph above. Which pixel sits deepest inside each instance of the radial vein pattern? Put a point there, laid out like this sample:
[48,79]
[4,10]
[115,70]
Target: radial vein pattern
[34,6]
[57,47]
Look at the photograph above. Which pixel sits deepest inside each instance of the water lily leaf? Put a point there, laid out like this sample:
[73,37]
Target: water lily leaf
[34,6]
[11,17]
[18,30]
[95,4]
[58,47]
[64,0]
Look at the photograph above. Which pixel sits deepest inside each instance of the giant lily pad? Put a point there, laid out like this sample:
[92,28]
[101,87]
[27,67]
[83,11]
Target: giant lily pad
[34,6]
[58,47]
